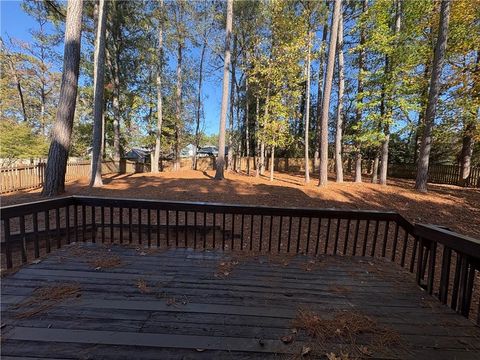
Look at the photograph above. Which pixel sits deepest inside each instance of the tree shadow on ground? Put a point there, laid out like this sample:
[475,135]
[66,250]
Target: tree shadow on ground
[450,206]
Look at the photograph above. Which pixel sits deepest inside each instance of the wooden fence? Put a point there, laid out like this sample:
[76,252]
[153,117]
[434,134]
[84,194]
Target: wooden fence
[445,263]
[438,174]
[32,176]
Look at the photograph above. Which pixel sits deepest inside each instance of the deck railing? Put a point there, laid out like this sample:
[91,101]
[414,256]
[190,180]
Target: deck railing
[445,263]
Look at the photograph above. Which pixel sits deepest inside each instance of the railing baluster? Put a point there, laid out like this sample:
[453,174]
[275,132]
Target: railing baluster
[251,232]
[335,244]
[94,226]
[242,235]
[67,222]
[23,243]
[289,233]
[75,222]
[167,219]
[327,236]
[205,230]
[419,275]
[186,228]
[194,230]
[467,298]
[139,222]
[112,224]
[214,235]
[445,275]
[355,239]
[414,254]
[261,234]
[270,235]
[47,231]
[385,238]
[319,228]
[456,281]
[158,228]
[404,249]
[149,225]
[130,225]
[395,241]
[36,248]
[223,231]
[347,235]
[375,235]
[365,238]
[280,235]
[84,223]
[102,220]
[176,228]
[8,249]
[431,270]
[121,224]
[233,232]
[299,235]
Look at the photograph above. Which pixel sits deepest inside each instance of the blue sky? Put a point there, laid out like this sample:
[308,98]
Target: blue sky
[16,23]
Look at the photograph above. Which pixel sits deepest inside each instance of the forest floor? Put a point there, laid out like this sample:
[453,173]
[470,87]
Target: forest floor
[451,206]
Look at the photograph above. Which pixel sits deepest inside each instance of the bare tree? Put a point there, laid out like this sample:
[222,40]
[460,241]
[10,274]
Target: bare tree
[341,87]
[386,107]
[320,84]
[307,106]
[98,101]
[220,164]
[158,133]
[323,178]
[438,59]
[62,130]
[358,109]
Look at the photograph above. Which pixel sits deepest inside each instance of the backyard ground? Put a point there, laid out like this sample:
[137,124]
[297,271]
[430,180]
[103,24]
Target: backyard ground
[450,206]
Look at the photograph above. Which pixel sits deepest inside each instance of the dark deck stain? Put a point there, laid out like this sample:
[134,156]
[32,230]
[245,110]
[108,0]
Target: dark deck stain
[185,304]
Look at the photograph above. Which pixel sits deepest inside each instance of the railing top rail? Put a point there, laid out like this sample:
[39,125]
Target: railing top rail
[461,243]
[236,208]
[15,210]
[33,206]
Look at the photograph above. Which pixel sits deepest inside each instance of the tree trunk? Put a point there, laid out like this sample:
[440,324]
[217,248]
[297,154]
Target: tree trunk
[341,87]
[440,47]
[178,108]
[116,107]
[323,173]
[232,106]
[316,156]
[261,162]
[376,160]
[62,131]
[272,162]
[247,123]
[220,163]
[19,89]
[386,107]
[257,147]
[98,101]
[158,133]
[466,154]
[307,110]
[358,110]
[199,105]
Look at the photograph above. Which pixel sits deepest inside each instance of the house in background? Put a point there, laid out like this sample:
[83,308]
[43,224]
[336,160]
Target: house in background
[140,155]
[188,151]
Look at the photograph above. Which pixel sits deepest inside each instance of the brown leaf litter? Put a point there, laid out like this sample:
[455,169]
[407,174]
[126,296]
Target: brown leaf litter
[357,335]
[44,298]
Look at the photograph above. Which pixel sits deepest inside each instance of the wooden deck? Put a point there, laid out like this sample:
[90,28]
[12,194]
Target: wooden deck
[181,304]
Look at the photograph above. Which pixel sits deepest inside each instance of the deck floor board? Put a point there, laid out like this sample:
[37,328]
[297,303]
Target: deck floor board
[201,305]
